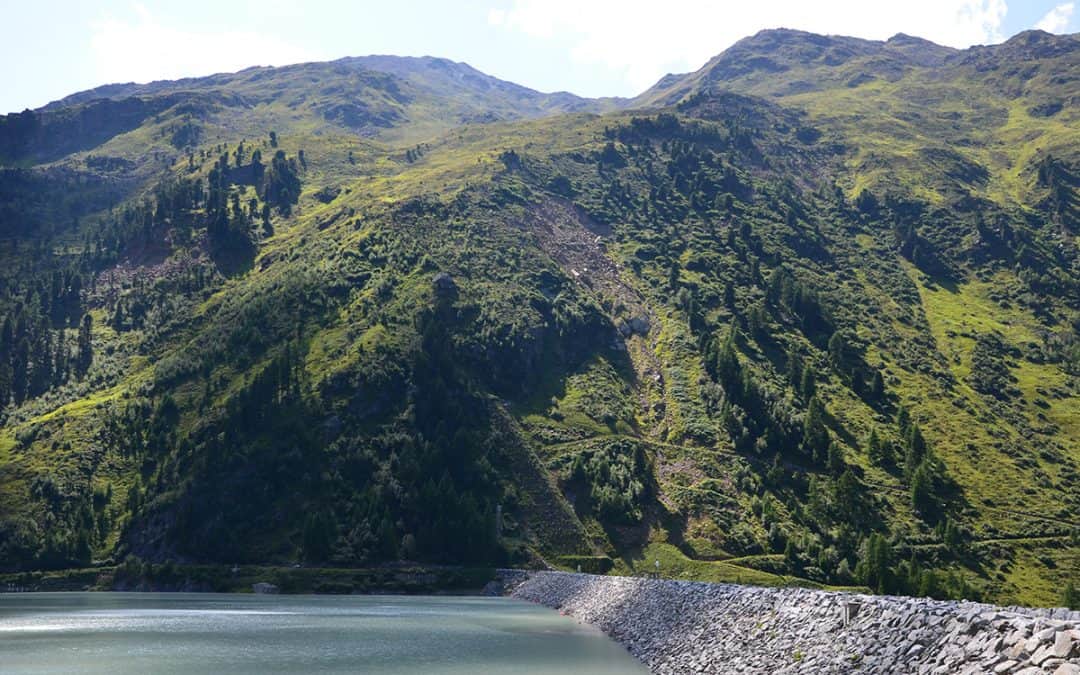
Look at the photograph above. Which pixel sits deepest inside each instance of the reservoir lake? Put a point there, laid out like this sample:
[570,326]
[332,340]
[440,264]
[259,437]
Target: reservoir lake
[236,634]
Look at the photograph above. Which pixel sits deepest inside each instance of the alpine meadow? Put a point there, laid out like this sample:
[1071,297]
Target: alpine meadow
[808,316]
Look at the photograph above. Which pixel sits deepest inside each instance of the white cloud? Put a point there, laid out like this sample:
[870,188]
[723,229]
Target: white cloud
[1057,19]
[142,50]
[644,39]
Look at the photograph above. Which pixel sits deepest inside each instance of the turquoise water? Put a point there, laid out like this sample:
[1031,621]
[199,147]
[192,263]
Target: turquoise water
[236,634]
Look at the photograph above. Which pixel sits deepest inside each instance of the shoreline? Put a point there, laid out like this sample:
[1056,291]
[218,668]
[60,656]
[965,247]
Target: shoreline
[697,627]
[288,580]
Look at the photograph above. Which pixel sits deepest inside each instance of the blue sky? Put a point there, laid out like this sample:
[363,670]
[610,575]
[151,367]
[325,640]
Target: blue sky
[590,47]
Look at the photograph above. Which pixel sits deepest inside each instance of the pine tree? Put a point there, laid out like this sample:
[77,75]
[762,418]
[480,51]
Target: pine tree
[41,376]
[873,448]
[7,338]
[903,420]
[117,320]
[915,446]
[1070,597]
[20,369]
[913,575]
[877,386]
[774,287]
[836,459]
[5,383]
[873,569]
[815,436]
[673,277]
[794,368]
[846,496]
[929,586]
[922,490]
[776,474]
[86,348]
[951,535]
[60,361]
[916,443]
[791,557]
[727,367]
[838,351]
[757,321]
[268,228]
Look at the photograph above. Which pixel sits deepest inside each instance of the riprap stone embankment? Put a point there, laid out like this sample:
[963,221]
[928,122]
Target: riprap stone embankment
[690,627]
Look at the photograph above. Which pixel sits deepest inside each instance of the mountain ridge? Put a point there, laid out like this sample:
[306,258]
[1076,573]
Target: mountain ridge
[392,64]
[387,63]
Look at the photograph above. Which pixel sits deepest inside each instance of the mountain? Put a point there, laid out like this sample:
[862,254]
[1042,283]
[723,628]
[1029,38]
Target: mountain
[458,85]
[913,111]
[807,315]
[386,97]
[788,62]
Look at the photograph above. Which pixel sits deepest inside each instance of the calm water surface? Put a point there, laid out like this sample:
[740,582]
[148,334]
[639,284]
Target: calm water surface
[235,634]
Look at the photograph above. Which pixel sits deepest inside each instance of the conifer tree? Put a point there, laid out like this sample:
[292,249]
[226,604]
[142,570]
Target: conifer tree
[873,569]
[20,369]
[1070,597]
[5,383]
[877,386]
[836,458]
[915,449]
[794,368]
[85,348]
[815,436]
[838,351]
[728,370]
[873,448]
[808,386]
[922,490]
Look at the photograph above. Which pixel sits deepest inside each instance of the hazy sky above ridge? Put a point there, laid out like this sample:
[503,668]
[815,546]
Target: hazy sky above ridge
[52,48]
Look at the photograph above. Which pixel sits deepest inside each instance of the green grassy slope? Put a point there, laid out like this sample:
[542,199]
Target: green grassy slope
[919,115]
[828,336]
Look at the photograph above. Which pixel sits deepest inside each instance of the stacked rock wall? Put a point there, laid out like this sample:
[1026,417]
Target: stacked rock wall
[690,627]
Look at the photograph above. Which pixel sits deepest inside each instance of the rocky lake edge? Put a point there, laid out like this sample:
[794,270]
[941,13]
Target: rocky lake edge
[697,627]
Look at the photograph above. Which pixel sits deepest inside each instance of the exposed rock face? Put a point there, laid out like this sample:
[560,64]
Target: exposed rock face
[690,627]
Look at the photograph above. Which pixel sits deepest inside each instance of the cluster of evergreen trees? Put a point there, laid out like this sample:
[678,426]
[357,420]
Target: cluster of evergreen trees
[425,492]
[44,338]
[1062,180]
[228,222]
[879,569]
[923,471]
[615,479]
[186,203]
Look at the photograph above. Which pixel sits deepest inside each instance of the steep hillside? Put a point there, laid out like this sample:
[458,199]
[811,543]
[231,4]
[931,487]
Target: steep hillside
[772,326]
[943,123]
